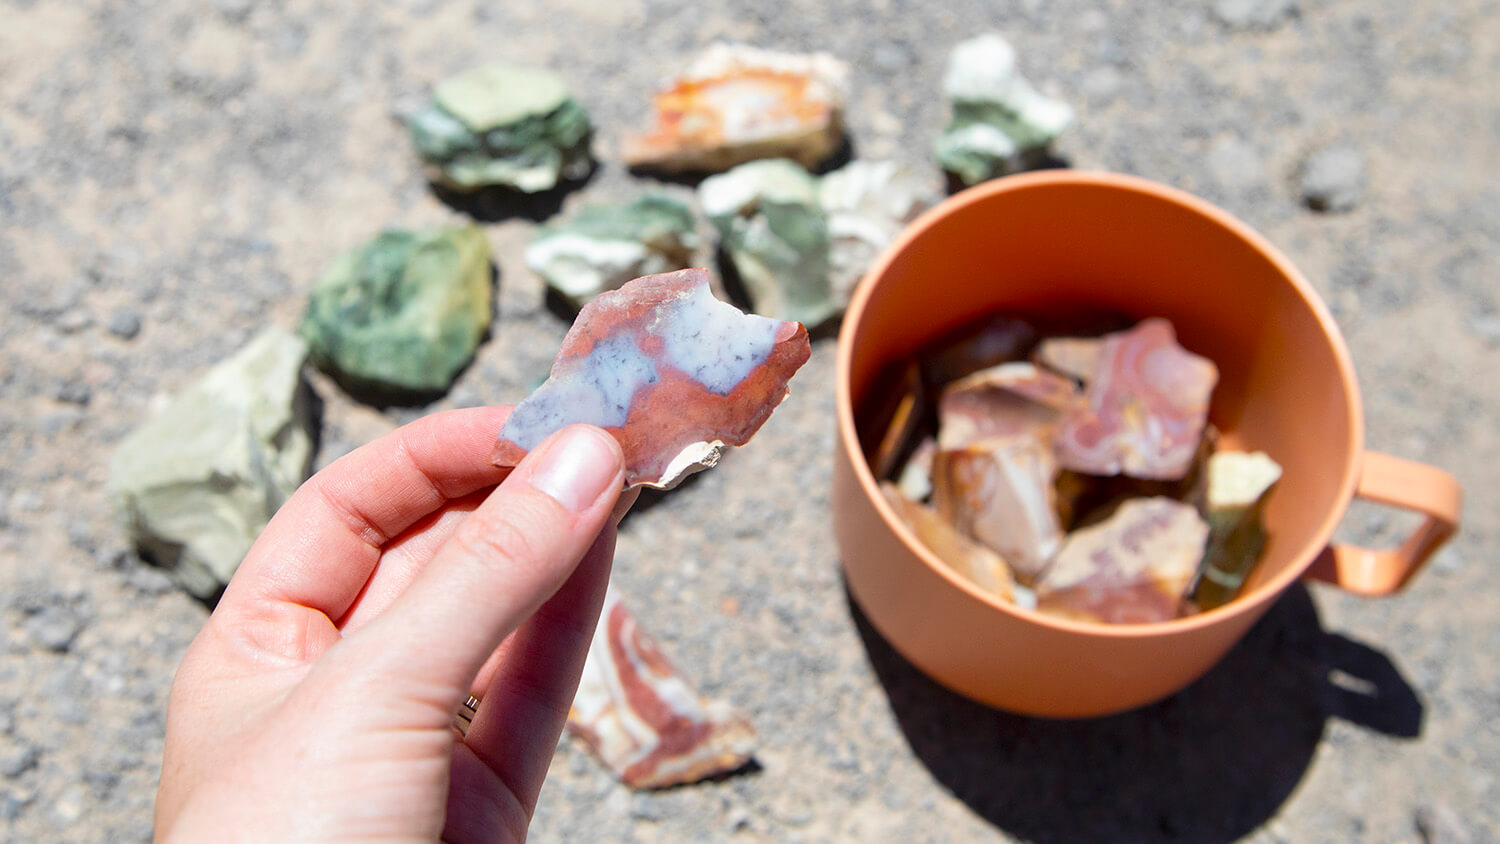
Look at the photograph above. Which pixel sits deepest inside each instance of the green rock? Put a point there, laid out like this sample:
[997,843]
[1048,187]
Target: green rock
[197,482]
[399,316]
[775,231]
[1234,502]
[502,125]
[605,245]
[999,120]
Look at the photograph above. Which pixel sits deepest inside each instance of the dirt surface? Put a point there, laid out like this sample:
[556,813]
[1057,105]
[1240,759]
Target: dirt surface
[190,168]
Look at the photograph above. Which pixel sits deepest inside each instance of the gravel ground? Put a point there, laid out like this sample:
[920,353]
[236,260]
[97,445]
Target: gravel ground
[174,175]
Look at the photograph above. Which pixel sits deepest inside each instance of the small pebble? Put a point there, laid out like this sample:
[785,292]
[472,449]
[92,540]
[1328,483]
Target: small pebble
[1333,179]
[1437,823]
[17,756]
[73,392]
[1235,164]
[12,803]
[54,627]
[74,320]
[124,324]
[1254,14]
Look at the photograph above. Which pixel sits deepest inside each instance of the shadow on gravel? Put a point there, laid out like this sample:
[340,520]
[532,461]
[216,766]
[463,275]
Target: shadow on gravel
[496,204]
[1209,764]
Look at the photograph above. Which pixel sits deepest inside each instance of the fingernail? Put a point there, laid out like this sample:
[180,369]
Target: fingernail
[577,467]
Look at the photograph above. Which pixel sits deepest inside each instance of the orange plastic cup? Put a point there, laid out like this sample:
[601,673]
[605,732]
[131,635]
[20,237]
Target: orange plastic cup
[1059,241]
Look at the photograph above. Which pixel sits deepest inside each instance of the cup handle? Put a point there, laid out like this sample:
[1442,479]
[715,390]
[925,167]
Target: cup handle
[1393,481]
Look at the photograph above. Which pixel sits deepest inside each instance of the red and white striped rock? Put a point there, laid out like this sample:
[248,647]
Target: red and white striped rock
[674,374]
[1003,402]
[643,719]
[1147,402]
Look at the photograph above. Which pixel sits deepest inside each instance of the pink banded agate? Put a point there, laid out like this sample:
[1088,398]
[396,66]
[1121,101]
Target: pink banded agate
[643,719]
[674,374]
[1147,403]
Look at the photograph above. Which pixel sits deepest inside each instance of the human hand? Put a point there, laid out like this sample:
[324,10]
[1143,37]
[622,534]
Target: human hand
[318,699]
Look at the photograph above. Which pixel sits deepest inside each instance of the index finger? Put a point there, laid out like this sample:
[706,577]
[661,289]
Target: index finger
[325,541]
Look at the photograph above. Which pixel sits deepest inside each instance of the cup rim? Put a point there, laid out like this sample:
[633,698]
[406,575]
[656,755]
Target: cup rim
[849,438]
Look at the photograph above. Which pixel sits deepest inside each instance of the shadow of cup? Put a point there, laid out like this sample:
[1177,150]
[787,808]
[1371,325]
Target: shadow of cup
[1211,763]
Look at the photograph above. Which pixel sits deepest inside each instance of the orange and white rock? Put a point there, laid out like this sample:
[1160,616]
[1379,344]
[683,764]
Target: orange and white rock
[643,719]
[737,103]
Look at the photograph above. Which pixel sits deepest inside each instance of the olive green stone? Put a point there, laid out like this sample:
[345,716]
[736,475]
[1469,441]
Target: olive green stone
[399,316]
[196,483]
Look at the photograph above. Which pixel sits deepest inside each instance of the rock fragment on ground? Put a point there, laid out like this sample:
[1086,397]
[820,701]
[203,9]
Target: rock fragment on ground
[638,714]
[197,482]
[674,374]
[774,229]
[868,203]
[502,125]
[400,316]
[737,103]
[999,120]
[605,245]
[1333,179]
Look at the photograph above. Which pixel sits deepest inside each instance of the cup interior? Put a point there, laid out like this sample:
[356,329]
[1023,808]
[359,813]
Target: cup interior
[1063,243]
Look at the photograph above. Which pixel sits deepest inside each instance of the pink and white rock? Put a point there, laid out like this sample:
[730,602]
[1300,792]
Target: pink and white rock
[972,561]
[643,719]
[979,345]
[1147,402]
[1075,357]
[999,493]
[674,374]
[1004,402]
[1131,568]
[737,103]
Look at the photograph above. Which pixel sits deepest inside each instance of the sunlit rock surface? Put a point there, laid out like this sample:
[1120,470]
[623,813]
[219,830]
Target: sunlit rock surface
[1234,499]
[999,492]
[197,482]
[998,117]
[972,561]
[737,103]
[674,374]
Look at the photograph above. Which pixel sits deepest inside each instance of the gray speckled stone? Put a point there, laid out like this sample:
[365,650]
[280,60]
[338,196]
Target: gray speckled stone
[1333,179]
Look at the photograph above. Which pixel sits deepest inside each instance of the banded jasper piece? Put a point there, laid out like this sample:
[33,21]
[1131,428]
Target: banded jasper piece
[978,564]
[643,719]
[999,492]
[1003,402]
[1130,568]
[1147,405]
[672,372]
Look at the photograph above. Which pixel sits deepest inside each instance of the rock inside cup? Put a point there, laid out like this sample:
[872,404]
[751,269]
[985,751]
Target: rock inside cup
[1073,473]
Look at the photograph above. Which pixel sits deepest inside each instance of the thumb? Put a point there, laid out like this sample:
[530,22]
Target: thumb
[507,558]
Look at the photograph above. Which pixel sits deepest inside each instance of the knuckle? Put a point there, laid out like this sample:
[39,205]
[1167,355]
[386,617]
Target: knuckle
[515,534]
